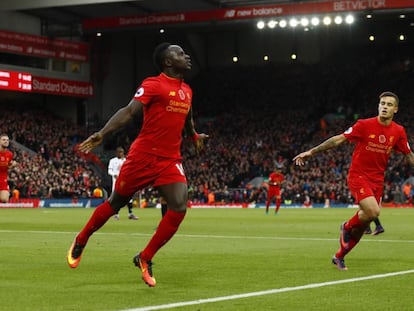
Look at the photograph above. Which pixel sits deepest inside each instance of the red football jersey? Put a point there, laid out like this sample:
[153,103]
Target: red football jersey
[5,158]
[167,102]
[276,178]
[374,143]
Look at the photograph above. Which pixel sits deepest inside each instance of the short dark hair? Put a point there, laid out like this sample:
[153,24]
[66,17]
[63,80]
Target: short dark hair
[391,94]
[159,55]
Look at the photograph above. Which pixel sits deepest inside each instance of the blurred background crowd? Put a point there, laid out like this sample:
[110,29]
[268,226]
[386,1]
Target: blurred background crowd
[258,118]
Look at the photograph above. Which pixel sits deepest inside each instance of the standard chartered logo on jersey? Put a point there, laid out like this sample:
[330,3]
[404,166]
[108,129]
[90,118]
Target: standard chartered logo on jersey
[178,106]
[380,148]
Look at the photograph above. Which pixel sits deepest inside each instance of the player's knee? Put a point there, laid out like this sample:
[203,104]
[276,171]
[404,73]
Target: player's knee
[181,208]
[177,202]
[117,202]
[115,207]
[372,213]
[4,198]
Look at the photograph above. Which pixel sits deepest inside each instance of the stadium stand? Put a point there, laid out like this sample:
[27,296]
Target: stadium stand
[255,116]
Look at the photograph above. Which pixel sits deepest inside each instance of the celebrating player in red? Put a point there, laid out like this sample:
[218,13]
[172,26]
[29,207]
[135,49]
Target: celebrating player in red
[154,157]
[274,191]
[374,140]
[6,162]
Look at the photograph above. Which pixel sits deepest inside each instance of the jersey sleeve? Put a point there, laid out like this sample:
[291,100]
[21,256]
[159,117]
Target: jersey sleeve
[402,144]
[354,132]
[147,90]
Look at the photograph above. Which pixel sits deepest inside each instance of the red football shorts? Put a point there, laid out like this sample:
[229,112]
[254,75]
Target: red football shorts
[273,192]
[362,188]
[4,186]
[138,172]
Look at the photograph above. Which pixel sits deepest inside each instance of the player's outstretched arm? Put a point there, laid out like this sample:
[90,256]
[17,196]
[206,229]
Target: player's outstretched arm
[331,142]
[300,158]
[91,142]
[117,121]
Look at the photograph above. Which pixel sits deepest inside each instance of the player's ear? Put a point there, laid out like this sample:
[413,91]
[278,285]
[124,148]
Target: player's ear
[167,62]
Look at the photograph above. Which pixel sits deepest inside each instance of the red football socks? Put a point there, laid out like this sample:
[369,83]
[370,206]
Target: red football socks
[278,203]
[166,229]
[354,222]
[99,217]
[357,230]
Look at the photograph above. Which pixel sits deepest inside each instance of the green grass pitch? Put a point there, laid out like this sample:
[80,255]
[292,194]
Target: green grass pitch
[216,253]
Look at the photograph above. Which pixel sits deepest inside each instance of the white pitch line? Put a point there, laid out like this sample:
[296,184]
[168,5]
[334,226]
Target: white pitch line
[267,292]
[204,236]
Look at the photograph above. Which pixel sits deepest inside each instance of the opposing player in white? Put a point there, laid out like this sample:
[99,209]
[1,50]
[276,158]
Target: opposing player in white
[114,167]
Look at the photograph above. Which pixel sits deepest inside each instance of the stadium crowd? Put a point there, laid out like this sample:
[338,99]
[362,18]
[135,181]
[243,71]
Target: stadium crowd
[48,166]
[257,118]
[279,111]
